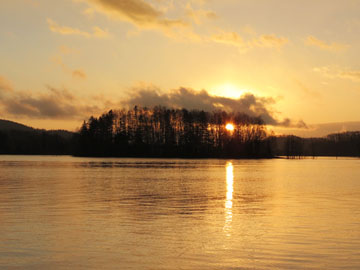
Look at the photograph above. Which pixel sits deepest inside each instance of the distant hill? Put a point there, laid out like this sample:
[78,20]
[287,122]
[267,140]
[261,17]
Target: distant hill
[16,138]
[6,125]
[320,130]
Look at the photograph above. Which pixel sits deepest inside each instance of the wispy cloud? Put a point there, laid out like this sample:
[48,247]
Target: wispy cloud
[323,45]
[269,41]
[138,12]
[5,85]
[306,90]
[66,30]
[199,15]
[353,75]
[78,73]
[58,60]
[191,99]
[337,72]
[230,38]
[146,15]
[260,41]
[65,50]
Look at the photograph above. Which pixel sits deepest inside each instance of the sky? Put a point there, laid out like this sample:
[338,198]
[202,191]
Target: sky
[294,63]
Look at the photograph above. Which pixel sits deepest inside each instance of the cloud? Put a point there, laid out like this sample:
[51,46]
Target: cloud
[190,99]
[353,75]
[5,85]
[137,12]
[200,14]
[260,41]
[51,104]
[270,41]
[325,71]
[231,38]
[57,103]
[66,30]
[336,72]
[78,73]
[65,50]
[313,41]
[306,90]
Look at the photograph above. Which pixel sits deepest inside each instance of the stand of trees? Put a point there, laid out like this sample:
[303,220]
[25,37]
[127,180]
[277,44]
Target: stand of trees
[35,142]
[163,132]
[346,144]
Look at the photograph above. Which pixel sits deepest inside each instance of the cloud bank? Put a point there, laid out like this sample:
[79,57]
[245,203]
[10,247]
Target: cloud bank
[62,104]
[51,104]
[202,100]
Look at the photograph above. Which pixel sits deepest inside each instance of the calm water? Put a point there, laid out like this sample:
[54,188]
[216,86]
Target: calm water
[77,213]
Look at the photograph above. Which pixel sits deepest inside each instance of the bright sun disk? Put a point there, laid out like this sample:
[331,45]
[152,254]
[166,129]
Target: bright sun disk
[229,127]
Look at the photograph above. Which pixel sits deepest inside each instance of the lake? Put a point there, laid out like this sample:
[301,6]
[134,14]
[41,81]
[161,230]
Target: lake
[93,213]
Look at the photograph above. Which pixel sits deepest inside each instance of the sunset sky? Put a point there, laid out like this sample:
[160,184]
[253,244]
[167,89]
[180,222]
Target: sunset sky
[295,63]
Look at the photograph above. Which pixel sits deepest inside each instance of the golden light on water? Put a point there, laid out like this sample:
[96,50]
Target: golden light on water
[229,184]
[229,196]
[229,127]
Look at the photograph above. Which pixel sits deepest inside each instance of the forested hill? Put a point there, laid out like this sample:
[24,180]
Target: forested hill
[6,125]
[16,138]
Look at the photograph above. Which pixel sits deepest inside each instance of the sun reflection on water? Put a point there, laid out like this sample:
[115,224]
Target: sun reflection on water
[229,197]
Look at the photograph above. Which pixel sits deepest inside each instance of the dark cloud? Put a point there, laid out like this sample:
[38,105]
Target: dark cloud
[54,103]
[137,12]
[190,99]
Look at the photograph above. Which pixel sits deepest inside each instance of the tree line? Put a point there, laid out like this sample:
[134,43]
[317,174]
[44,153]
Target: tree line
[164,132]
[346,144]
[36,142]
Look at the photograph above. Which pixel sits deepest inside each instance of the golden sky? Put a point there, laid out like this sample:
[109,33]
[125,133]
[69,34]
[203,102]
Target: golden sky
[292,62]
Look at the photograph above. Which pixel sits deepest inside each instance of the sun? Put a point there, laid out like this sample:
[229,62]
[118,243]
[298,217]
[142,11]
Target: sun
[229,127]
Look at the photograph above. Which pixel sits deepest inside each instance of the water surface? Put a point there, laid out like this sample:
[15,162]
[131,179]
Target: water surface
[88,213]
